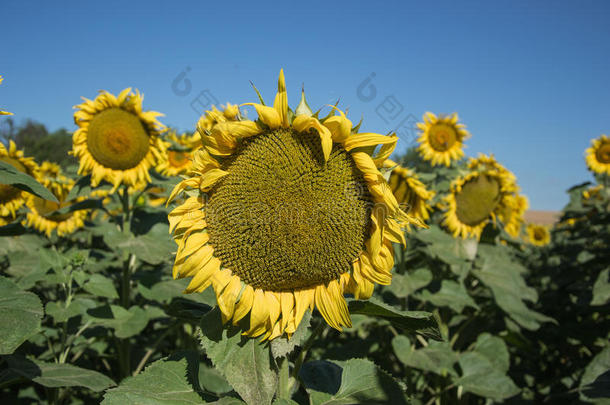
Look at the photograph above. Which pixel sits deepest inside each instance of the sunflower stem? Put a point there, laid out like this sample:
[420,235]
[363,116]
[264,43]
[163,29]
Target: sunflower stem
[129,260]
[285,385]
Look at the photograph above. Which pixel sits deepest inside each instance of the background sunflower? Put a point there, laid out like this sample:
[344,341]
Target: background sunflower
[441,139]
[116,141]
[598,155]
[12,198]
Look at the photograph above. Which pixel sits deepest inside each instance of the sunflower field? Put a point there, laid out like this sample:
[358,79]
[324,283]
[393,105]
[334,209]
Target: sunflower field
[292,259]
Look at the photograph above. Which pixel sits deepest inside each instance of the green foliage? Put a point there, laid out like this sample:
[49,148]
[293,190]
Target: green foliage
[96,316]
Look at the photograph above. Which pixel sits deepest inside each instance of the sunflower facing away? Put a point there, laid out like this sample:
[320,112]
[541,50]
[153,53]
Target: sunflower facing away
[538,235]
[474,201]
[12,198]
[441,139]
[179,154]
[116,141]
[4,112]
[410,193]
[286,213]
[598,155]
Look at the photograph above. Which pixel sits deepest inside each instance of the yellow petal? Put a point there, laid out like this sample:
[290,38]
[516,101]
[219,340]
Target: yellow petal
[244,305]
[367,139]
[201,281]
[228,293]
[268,115]
[332,305]
[303,123]
[259,313]
[281,100]
[209,178]
[339,126]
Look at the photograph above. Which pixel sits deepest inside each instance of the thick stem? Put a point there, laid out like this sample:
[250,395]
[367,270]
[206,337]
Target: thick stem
[285,385]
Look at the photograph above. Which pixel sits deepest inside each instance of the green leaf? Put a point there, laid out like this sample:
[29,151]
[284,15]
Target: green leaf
[494,349]
[125,322]
[57,375]
[355,381]
[245,363]
[504,277]
[452,294]
[420,322]
[601,289]
[154,247]
[169,381]
[77,307]
[282,346]
[437,357]
[211,380]
[20,315]
[25,182]
[101,286]
[595,381]
[480,377]
[404,285]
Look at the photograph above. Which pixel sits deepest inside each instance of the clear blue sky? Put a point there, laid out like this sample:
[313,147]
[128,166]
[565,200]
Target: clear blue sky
[531,80]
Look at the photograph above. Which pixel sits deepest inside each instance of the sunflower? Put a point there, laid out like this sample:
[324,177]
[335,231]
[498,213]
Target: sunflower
[484,162]
[4,112]
[12,198]
[538,235]
[511,211]
[41,216]
[410,193]
[473,201]
[116,141]
[284,214]
[442,137]
[598,155]
[179,154]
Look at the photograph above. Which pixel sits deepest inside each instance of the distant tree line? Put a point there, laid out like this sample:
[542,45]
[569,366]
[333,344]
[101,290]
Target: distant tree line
[36,141]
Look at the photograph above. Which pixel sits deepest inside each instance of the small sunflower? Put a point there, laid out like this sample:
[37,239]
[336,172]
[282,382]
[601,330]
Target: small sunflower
[4,112]
[473,202]
[598,155]
[592,194]
[538,235]
[12,198]
[284,214]
[179,154]
[441,139]
[41,215]
[409,191]
[116,141]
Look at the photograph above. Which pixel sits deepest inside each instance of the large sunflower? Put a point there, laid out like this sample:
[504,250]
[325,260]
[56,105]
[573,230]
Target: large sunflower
[179,154]
[538,235]
[441,139]
[12,198]
[4,112]
[410,193]
[41,215]
[474,201]
[598,155]
[116,141]
[286,213]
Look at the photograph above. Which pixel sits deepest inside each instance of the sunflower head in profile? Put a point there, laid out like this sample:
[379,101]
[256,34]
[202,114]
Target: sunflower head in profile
[284,214]
[42,214]
[474,201]
[4,112]
[598,155]
[116,141]
[441,139]
[538,235]
[485,162]
[410,193]
[179,154]
[511,213]
[12,198]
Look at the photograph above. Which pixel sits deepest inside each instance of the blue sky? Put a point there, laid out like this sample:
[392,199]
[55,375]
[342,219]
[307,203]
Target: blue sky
[531,80]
